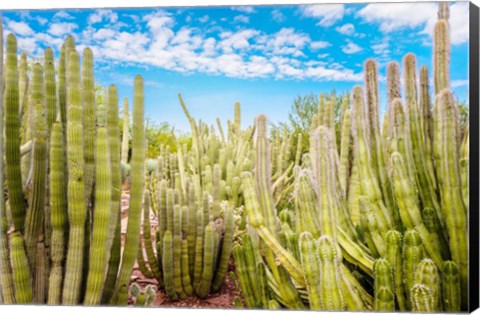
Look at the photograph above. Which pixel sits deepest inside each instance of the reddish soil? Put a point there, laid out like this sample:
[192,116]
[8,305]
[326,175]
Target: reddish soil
[222,299]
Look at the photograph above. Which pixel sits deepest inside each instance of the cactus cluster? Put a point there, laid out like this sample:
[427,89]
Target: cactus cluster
[62,178]
[362,214]
[378,218]
[193,193]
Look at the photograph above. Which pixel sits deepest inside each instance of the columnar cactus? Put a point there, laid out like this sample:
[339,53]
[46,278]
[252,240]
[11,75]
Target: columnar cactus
[16,199]
[58,212]
[76,190]
[137,183]
[101,214]
[6,279]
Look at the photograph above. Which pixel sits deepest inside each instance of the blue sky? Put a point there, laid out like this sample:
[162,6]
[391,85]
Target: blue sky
[261,56]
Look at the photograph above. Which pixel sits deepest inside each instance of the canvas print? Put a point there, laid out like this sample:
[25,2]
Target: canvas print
[302,157]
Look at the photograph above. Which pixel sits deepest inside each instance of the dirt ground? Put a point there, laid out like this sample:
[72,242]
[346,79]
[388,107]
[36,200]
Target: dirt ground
[222,299]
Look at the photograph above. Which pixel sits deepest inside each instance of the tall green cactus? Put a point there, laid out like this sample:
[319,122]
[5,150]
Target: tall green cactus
[16,199]
[6,279]
[137,184]
[77,212]
[58,213]
[89,134]
[101,215]
[34,219]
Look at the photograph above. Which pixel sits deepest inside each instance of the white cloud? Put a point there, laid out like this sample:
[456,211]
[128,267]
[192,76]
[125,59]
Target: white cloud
[41,21]
[328,14]
[63,15]
[278,16]
[319,45]
[351,48]
[101,15]
[62,28]
[158,21]
[244,9]
[380,48]
[241,19]
[346,29]
[153,41]
[400,16]
[19,28]
[459,83]
[204,19]
[236,41]
[103,34]
[395,16]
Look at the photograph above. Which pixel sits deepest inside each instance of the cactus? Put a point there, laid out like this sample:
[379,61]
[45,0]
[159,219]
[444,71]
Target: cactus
[394,257]
[58,213]
[34,219]
[383,286]
[167,258]
[76,190]
[137,179]
[21,271]
[126,131]
[16,199]
[311,266]
[413,253]
[427,274]
[331,296]
[101,214]
[451,295]
[89,134]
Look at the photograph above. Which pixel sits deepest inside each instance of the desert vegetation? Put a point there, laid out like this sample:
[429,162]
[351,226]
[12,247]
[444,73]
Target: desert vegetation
[336,209]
